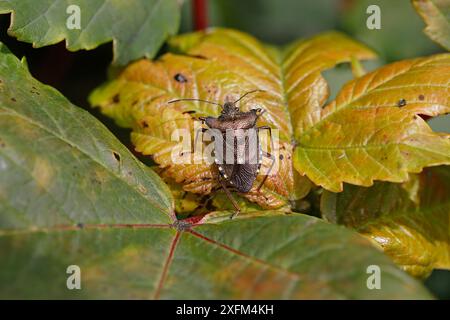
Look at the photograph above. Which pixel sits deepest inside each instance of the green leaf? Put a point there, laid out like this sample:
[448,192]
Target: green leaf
[70,194]
[138,28]
[271,256]
[410,222]
[436,14]
[59,165]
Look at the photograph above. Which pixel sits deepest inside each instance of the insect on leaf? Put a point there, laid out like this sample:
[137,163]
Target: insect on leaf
[220,65]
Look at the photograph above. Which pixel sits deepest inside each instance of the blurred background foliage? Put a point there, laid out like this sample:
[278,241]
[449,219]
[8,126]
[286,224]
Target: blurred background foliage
[76,74]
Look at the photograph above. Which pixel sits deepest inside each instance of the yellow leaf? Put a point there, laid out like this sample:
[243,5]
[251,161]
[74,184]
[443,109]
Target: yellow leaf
[372,130]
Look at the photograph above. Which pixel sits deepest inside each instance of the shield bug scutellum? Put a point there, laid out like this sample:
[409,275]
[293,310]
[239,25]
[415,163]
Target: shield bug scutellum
[238,153]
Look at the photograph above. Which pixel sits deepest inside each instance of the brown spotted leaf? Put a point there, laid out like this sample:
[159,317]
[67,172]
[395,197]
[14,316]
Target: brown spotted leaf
[219,65]
[372,130]
[410,222]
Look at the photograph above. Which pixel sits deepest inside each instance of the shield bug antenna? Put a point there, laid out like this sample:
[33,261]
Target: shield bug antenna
[247,93]
[192,99]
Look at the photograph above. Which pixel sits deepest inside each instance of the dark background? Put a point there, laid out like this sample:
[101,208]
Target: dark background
[76,74]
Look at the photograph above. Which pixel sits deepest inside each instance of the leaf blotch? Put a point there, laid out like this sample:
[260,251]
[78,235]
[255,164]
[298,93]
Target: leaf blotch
[180,78]
[116,156]
[116,98]
[142,189]
[34,91]
[43,173]
[197,56]
[96,181]
[401,103]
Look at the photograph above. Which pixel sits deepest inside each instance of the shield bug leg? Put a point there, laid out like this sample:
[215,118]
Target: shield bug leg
[207,199]
[230,197]
[191,99]
[267,154]
[271,157]
[202,130]
[202,119]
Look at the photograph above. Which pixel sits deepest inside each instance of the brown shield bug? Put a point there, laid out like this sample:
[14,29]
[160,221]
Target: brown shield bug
[237,149]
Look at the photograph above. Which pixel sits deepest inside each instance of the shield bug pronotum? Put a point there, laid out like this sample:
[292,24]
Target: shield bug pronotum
[237,149]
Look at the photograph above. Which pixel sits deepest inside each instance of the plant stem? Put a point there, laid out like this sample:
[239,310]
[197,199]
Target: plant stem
[200,14]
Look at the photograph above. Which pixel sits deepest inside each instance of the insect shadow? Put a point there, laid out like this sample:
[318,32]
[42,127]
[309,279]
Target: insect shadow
[238,131]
